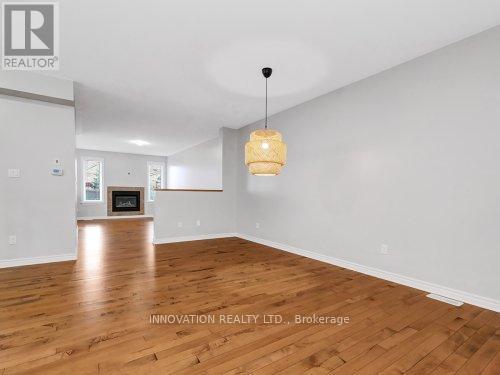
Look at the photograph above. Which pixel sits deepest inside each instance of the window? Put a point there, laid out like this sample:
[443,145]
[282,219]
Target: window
[92,180]
[155,179]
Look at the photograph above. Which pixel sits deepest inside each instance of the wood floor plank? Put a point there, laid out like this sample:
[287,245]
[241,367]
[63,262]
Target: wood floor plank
[450,365]
[493,367]
[92,316]
[482,357]
[413,356]
[440,353]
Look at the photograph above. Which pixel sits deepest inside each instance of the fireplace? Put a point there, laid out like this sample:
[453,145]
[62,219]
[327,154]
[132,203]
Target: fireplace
[125,201]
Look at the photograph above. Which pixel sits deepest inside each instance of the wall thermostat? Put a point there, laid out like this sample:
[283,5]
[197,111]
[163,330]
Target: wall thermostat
[56,171]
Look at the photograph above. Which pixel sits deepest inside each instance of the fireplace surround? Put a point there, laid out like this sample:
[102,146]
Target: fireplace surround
[125,200]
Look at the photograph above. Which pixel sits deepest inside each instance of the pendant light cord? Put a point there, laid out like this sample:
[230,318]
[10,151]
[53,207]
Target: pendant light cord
[266,105]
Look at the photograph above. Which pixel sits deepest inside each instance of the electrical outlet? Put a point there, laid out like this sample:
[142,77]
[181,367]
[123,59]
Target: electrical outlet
[198,223]
[12,240]
[257,225]
[179,224]
[384,249]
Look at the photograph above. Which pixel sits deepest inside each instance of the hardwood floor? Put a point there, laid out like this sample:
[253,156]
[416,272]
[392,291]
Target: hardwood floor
[93,316]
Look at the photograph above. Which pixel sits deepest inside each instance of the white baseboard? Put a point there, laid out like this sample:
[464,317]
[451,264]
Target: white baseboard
[114,217]
[36,260]
[473,299]
[158,241]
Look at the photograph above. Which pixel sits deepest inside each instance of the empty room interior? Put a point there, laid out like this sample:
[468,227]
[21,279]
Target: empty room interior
[250,187]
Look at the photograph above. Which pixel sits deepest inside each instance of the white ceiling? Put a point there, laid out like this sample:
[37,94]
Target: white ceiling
[173,72]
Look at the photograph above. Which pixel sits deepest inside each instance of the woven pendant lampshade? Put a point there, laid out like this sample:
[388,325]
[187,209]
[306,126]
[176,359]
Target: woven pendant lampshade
[265,153]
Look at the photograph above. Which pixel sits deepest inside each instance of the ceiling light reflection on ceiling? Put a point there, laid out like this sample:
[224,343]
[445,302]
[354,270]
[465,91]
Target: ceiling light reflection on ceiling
[139,142]
[291,58]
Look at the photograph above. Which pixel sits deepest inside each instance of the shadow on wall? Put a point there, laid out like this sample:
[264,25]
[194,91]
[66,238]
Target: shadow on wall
[198,167]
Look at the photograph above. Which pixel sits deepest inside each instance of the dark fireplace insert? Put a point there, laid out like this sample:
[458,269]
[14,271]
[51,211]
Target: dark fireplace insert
[126,201]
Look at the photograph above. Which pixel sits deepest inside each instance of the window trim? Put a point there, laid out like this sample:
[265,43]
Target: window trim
[101,193]
[162,185]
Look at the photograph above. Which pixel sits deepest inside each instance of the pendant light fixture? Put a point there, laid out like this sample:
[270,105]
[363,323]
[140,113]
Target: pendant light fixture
[265,153]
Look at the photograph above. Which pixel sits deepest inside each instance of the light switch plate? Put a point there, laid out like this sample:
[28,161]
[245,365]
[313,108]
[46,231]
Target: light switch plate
[14,173]
[56,171]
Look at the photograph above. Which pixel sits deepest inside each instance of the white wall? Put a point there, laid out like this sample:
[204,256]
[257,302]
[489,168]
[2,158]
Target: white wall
[408,158]
[37,84]
[120,169]
[216,211]
[38,208]
[198,167]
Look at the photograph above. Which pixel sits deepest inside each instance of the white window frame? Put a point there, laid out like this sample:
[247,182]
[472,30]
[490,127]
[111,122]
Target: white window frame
[156,164]
[101,193]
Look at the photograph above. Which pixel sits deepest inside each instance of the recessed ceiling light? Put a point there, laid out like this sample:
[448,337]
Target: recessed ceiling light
[139,142]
